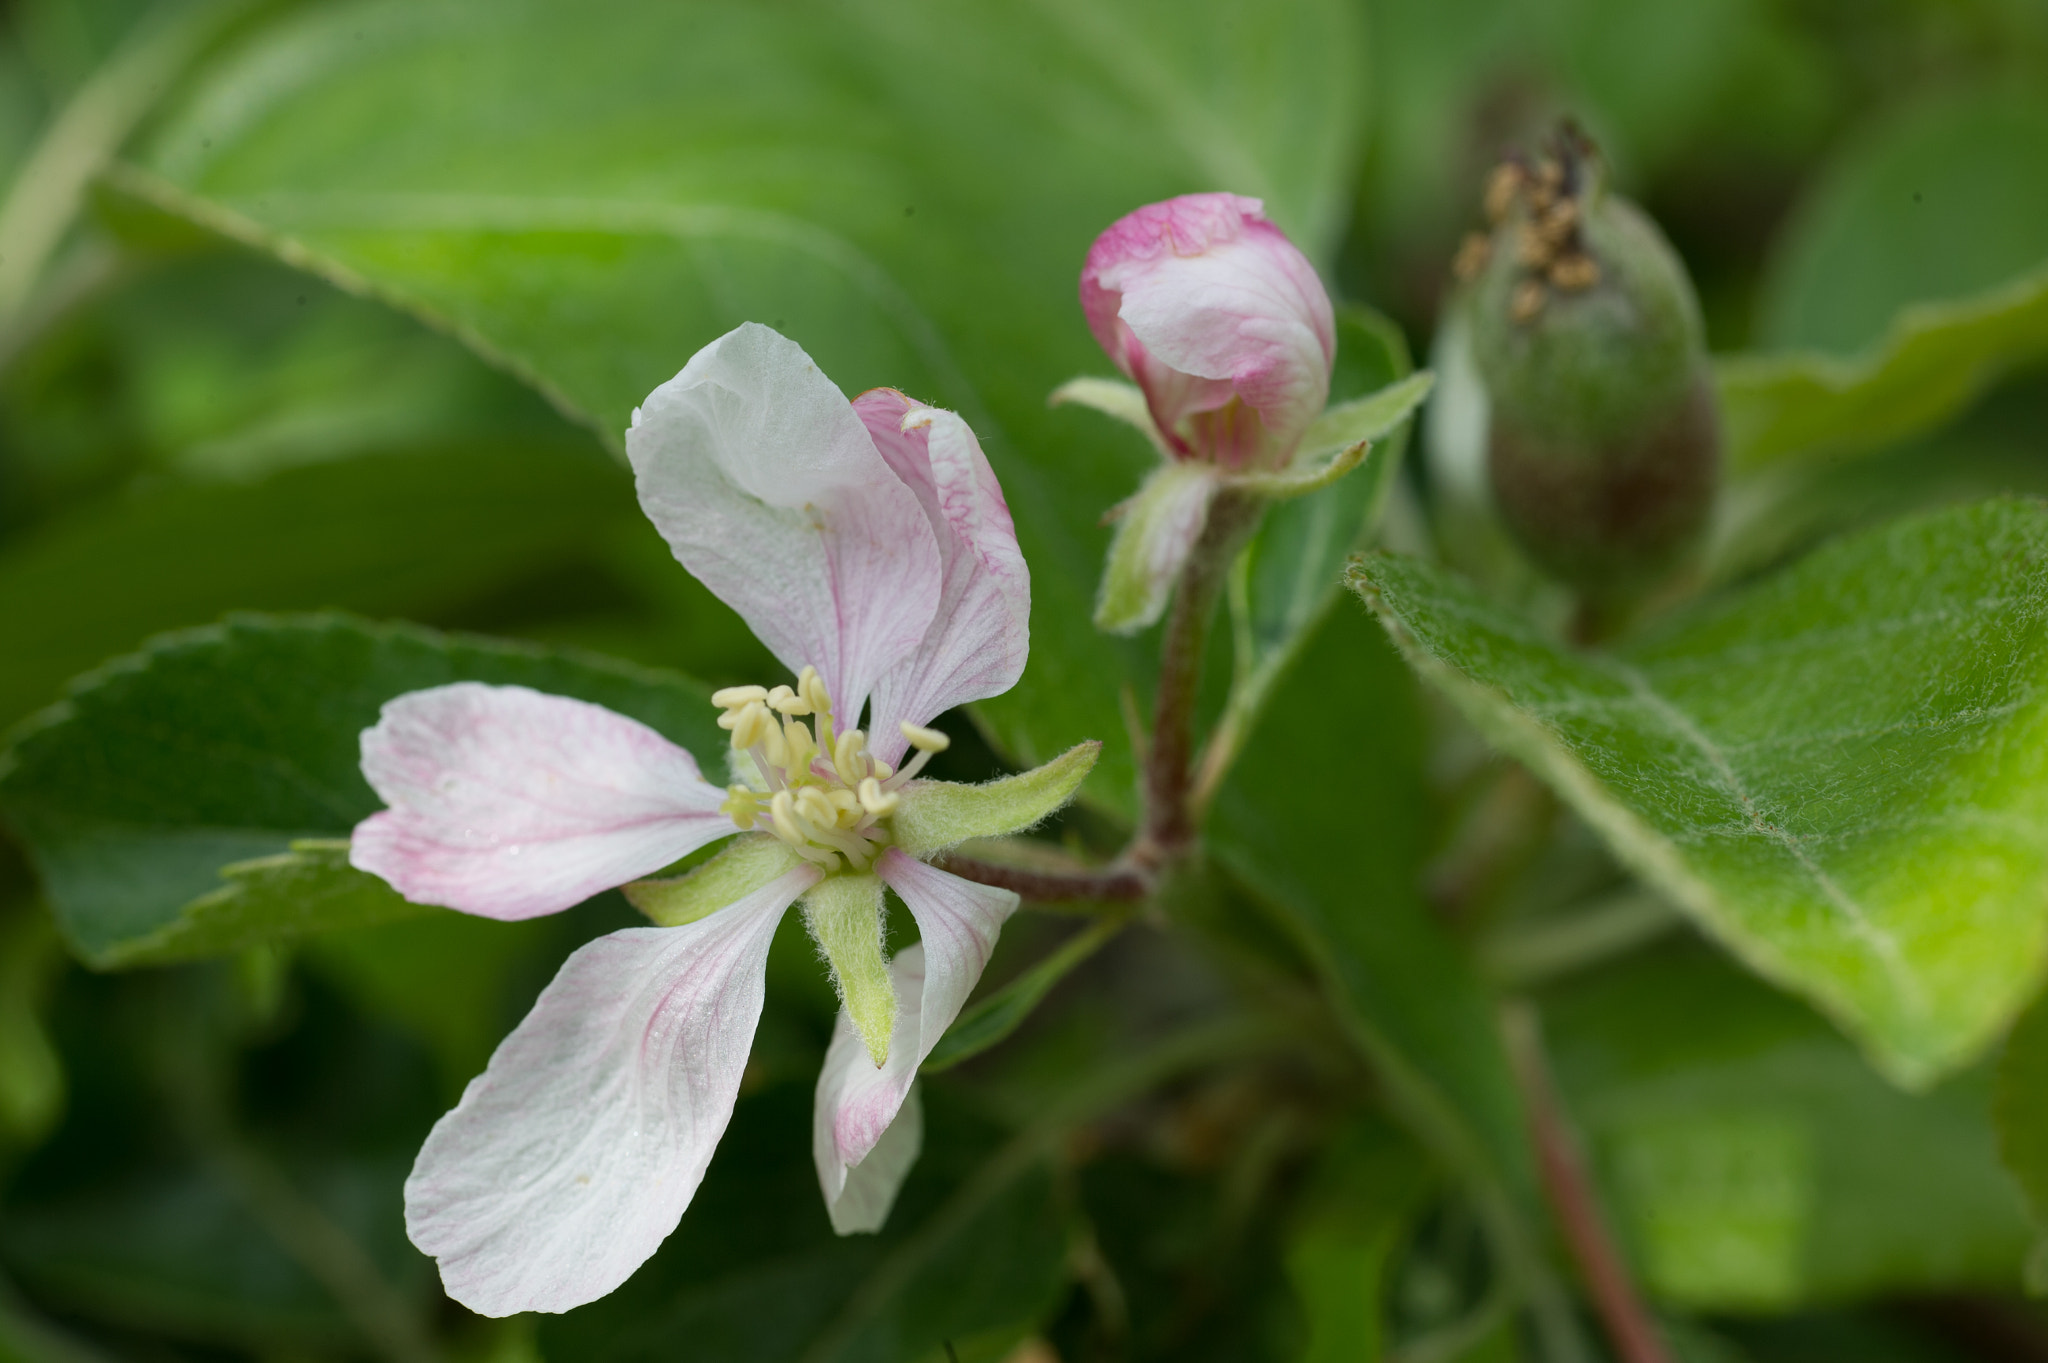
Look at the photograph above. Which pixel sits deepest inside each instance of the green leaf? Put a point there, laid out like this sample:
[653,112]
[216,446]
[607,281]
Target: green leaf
[215,751]
[1353,1216]
[31,1072]
[776,163]
[1911,279]
[936,815]
[972,1255]
[1751,1162]
[989,1021]
[309,889]
[450,526]
[1841,773]
[1934,199]
[1296,562]
[1322,823]
[1934,361]
[2022,1113]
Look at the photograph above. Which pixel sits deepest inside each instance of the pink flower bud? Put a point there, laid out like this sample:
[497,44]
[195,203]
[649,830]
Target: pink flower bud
[1220,320]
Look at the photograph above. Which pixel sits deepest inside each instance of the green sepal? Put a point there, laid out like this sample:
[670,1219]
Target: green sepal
[936,815]
[1155,529]
[1280,487]
[1365,419]
[741,867]
[844,914]
[1112,397]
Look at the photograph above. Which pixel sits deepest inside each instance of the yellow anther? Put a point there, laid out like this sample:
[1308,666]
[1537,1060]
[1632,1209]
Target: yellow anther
[773,743]
[750,725]
[732,697]
[923,739]
[787,702]
[741,806]
[847,753]
[877,801]
[883,771]
[782,813]
[845,807]
[801,747]
[810,688]
[816,806]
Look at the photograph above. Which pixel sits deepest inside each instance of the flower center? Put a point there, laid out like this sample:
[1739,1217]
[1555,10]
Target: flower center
[822,791]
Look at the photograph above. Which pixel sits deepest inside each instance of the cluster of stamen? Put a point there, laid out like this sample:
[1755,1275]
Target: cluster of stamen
[821,790]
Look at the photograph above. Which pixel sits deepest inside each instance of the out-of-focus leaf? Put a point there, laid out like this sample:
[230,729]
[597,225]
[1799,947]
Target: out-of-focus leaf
[1912,278]
[1298,558]
[755,1273]
[1352,1217]
[1752,1162]
[227,745]
[988,1021]
[1321,821]
[1936,199]
[31,1074]
[2022,1112]
[1842,772]
[419,534]
[682,168]
[1936,358]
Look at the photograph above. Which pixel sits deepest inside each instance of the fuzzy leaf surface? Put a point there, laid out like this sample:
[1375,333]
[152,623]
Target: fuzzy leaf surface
[1841,773]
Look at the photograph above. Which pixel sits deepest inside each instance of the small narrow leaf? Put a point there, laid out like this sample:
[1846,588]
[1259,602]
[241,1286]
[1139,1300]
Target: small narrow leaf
[1156,528]
[1366,418]
[1111,397]
[936,815]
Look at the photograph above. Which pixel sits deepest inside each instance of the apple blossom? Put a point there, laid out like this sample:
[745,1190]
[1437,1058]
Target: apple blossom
[869,546]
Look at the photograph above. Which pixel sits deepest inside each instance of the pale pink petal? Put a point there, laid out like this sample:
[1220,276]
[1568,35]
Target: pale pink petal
[958,921]
[509,803]
[1201,300]
[981,633]
[769,489]
[858,1198]
[572,1157]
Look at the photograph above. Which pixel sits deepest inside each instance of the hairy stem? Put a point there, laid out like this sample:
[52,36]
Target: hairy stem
[1169,811]
[1628,1322]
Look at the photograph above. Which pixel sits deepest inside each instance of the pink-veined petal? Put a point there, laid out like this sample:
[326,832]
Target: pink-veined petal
[572,1157]
[981,633]
[1200,299]
[958,921]
[858,1198]
[509,803]
[768,488]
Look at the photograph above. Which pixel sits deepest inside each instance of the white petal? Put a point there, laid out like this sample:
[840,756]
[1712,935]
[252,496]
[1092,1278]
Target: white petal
[981,633]
[510,803]
[572,1157]
[858,1198]
[769,489]
[958,921]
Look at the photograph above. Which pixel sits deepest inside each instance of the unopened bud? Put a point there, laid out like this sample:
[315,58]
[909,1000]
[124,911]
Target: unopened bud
[1604,437]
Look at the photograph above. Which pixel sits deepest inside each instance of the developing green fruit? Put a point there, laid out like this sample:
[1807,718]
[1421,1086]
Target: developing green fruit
[1604,438]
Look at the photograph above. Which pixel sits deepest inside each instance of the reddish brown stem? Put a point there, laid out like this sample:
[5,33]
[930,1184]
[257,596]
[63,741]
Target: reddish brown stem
[1169,817]
[1051,886]
[1629,1325]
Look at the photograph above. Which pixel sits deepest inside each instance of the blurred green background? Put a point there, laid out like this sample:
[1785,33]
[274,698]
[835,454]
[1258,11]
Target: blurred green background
[349,314]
